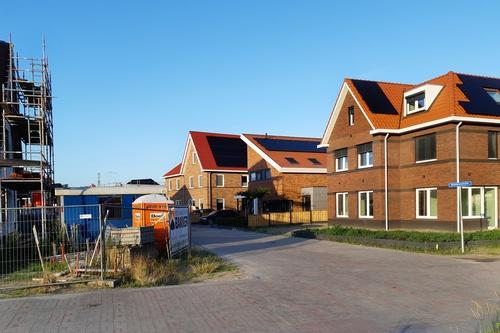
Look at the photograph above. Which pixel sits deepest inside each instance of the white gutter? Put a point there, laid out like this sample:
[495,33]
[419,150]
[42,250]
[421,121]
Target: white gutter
[386,183]
[459,189]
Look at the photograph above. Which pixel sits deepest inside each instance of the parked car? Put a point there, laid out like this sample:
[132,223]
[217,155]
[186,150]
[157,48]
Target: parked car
[213,216]
[197,214]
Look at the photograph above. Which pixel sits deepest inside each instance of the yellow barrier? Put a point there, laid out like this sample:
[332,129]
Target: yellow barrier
[267,219]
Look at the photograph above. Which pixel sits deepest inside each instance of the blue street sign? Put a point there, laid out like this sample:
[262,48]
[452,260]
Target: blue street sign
[460,184]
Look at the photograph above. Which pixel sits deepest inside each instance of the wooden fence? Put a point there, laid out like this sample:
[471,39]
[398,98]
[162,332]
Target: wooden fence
[267,219]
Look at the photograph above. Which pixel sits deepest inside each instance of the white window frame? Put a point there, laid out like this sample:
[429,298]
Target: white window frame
[194,157]
[223,180]
[200,203]
[170,184]
[428,199]
[367,165]
[177,202]
[482,211]
[367,204]
[223,203]
[200,180]
[177,184]
[345,207]
[191,182]
[242,184]
[415,103]
[346,164]
[350,115]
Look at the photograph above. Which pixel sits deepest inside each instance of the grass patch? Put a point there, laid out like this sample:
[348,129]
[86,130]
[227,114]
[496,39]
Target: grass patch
[447,243]
[487,316]
[412,236]
[195,266]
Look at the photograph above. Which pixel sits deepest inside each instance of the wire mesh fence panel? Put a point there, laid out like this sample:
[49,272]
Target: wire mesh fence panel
[41,240]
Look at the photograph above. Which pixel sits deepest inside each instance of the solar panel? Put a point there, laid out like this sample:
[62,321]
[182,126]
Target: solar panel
[228,152]
[475,89]
[291,145]
[374,97]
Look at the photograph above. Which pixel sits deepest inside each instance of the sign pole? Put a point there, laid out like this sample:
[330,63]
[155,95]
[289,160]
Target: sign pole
[461,219]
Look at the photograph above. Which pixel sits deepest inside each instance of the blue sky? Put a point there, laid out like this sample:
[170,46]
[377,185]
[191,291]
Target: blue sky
[133,77]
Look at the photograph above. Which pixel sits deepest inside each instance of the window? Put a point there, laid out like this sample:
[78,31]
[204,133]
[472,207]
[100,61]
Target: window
[177,202]
[365,204]
[492,144]
[194,157]
[191,182]
[365,155]
[425,148]
[472,202]
[341,159]
[170,184]
[244,180]
[494,93]
[200,180]
[415,103]
[350,112]
[426,203]
[219,203]
[219,180]
[200,203]
[291,160]
[341,203]
[314,161]
[113,205]
[259,175]
[177,184]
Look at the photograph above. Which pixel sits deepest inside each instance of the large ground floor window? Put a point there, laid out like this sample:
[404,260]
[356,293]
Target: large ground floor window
[480,202]
[365,204]
[426,203]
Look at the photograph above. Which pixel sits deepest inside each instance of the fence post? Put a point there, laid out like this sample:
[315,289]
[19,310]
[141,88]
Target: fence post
[103,242]
[310,216]
[269,218]
[290,215]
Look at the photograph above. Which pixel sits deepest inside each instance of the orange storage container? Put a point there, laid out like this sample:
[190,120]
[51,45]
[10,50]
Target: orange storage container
[153,209]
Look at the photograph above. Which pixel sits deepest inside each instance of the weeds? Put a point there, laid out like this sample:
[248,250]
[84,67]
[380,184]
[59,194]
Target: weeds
[487,316]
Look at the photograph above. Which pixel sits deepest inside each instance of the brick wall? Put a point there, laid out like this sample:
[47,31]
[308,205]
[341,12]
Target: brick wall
[405,175]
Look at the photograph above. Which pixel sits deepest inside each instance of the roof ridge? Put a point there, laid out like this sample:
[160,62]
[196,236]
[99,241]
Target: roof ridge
[475,75]
[384,82]
[270,136]
[213,133]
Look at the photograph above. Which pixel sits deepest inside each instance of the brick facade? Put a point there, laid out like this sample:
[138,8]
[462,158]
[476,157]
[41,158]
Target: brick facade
[204,195]
[282,185]
[405,175]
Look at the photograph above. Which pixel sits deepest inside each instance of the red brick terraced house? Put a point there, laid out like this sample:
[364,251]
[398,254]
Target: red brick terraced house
[393,148]
[291,169]
[212,172]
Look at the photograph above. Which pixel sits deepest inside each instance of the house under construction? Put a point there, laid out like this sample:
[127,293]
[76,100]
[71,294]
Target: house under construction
[26,136]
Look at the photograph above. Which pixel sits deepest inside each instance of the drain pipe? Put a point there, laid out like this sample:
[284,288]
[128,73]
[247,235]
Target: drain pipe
[457,144]
[386,184]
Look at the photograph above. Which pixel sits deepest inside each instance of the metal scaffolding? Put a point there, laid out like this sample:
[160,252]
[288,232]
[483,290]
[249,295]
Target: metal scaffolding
[26,130]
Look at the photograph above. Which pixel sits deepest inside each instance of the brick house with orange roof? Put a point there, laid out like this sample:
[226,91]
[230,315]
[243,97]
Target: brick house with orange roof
[393,148]
[291,169]
[212,172]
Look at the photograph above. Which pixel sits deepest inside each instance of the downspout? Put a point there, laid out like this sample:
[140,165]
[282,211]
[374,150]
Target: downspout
[210,189]
[457,145]
[386,182]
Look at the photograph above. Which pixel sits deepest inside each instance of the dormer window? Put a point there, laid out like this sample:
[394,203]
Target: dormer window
[420,98]
[415,103]
[494,93]
[291,160]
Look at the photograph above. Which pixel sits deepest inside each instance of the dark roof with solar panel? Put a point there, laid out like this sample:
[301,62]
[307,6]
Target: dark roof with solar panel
[475,88]
[228,152]
[374,97]
[290,145]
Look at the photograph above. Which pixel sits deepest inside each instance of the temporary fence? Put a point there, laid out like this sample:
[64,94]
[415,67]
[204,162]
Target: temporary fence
[56,240]
[281,218]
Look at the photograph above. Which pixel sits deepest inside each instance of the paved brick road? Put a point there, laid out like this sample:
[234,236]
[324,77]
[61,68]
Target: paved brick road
[291,285]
